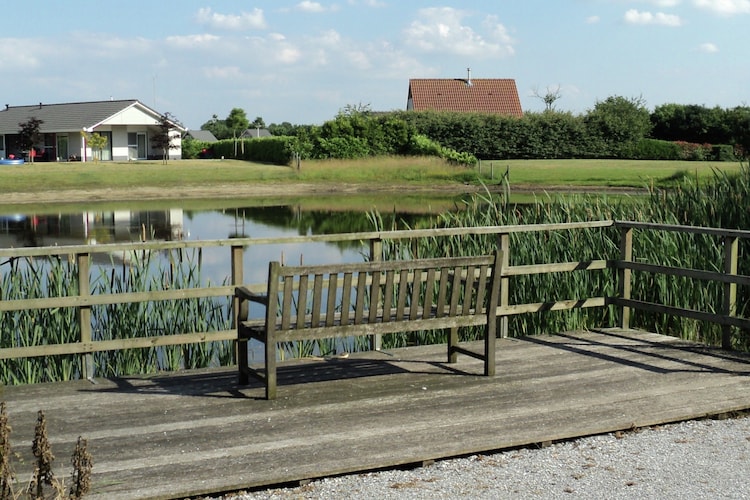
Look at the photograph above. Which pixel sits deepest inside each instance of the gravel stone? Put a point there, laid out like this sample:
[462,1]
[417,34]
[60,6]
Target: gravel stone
[697,459]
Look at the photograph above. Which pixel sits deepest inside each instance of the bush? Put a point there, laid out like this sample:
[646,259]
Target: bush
[192,149]
[653,149]
[693,151]
[278,150]
[723,152]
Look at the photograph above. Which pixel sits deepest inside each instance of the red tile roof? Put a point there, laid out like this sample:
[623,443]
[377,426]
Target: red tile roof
[484,95]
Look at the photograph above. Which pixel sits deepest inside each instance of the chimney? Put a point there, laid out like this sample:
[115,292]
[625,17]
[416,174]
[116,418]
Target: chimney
[468,77]
[7,106]
[40,105]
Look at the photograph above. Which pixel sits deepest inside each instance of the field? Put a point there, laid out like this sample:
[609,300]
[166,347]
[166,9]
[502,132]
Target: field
[42,182]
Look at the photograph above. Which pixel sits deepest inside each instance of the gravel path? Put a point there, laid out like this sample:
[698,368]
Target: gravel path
[706,459]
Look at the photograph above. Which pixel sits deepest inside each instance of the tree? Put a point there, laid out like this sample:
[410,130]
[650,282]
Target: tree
[96,142]
[618,122]
[29,135]
[163,138]
[237,122]
[549,98]
[217,127]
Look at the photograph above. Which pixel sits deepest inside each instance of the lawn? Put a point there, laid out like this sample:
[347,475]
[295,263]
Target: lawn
[389,171]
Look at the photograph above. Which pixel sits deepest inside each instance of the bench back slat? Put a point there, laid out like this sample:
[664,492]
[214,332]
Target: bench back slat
[377,292]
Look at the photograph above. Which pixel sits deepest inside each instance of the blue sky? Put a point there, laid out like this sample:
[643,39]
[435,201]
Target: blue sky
[303,61]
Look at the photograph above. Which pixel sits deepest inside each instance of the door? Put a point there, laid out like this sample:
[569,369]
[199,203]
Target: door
[62,147]
[142,146]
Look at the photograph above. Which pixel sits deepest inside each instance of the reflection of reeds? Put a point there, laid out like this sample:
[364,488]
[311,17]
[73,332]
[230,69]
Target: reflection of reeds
[54,278]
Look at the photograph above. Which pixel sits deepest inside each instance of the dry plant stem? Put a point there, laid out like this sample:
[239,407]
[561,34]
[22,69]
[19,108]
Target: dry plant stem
[82,465]
[7,476]
[42,451]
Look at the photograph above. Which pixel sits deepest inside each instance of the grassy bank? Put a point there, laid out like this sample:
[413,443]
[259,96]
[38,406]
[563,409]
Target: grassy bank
[389,171]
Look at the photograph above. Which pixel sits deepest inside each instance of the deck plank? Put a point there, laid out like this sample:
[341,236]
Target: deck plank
[198,432]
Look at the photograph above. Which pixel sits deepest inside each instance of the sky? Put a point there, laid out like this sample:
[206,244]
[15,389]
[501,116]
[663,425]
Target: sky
[304,61]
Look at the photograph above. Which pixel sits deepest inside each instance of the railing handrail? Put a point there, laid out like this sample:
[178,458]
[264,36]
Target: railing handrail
[327,238]
[711,231]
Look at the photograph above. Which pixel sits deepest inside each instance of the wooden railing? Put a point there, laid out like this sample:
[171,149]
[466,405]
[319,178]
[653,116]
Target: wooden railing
[626,265]
[727,318]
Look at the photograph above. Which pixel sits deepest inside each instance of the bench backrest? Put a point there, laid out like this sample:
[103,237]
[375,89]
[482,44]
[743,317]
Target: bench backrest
[382,297]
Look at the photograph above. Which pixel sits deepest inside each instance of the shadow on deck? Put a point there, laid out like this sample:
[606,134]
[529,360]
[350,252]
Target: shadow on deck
[198,432]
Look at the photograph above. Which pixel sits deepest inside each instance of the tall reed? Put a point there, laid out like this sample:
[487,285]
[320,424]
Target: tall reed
[720,203]
[36,278]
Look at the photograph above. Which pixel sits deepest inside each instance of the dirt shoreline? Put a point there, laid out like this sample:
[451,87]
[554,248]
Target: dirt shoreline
[262,190]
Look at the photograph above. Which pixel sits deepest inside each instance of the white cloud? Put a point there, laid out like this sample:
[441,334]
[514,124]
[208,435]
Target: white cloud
[242,21]
[222,72]
[191,41]
[708,48]
[665,3]
[593,19]
[17,54]
[634,16]
[724,7]
[441,29]
[309,6]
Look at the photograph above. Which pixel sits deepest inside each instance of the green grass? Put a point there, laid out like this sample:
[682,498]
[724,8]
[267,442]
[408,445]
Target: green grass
[604,173]
[375,172]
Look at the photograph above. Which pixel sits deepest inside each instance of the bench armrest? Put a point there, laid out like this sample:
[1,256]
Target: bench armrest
[245,294]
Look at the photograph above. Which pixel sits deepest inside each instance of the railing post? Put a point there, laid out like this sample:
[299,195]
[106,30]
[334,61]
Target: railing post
[624,274]
[729,308]
[376,255]
[503,243]
[237,278]
[84,313]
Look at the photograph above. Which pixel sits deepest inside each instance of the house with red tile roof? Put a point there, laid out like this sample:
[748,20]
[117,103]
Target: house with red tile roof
[469,95]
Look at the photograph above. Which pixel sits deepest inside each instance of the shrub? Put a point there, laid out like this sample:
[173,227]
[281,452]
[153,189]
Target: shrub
[654,149]
[693,151]
[723,152]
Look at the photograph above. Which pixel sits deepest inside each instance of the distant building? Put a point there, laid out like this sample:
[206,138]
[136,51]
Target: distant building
[253,133]
[480,95]
[127,125]
[201,135]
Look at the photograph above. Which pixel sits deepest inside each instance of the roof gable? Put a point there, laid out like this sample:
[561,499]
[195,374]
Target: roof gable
[480,95]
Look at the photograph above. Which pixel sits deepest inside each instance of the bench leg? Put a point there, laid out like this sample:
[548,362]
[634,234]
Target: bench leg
[242,361]
[489,351]
[270,368]
[452,343]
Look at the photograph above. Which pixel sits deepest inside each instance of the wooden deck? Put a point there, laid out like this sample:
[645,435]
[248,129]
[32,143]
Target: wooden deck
[194,433]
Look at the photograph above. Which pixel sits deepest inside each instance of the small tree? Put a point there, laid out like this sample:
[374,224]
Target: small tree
[549,98]
[237,122]
[163,138]
[29,135]
[96,141]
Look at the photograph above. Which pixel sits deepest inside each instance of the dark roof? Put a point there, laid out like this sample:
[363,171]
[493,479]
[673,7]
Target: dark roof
[202,135]
[480,95]
[66,117]
[256,132]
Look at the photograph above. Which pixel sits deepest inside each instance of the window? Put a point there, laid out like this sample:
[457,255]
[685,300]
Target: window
[2,143]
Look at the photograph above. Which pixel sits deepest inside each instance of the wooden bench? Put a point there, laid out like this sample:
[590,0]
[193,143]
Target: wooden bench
[371,298]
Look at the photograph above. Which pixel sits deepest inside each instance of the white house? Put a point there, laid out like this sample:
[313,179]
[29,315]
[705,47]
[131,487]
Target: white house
[127,125]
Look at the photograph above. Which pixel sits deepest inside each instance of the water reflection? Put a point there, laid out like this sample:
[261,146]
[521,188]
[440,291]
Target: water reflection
[180,221]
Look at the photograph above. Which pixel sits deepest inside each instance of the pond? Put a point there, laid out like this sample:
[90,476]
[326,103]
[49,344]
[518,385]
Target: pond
[99,223]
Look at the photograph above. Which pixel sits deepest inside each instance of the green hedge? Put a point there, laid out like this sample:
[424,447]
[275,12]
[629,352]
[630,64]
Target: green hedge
[278,150]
